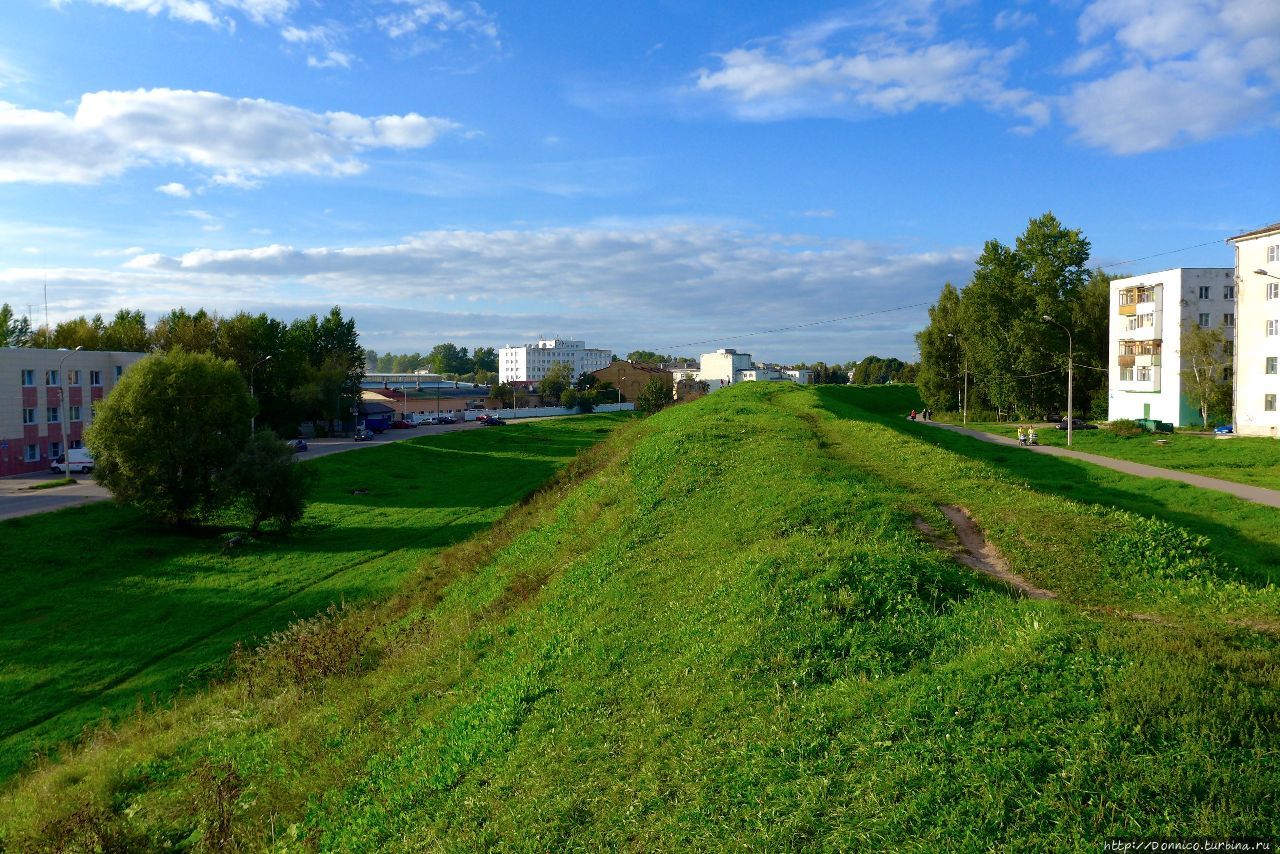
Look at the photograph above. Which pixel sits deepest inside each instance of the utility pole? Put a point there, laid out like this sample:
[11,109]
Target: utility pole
[1070,359]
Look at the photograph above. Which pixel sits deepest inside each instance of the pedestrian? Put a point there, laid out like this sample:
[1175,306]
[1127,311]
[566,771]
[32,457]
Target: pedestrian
[1032,437]
[1022,436]
[912,416]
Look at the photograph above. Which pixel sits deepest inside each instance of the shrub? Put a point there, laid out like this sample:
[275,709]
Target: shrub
[1126,428]
[269,483]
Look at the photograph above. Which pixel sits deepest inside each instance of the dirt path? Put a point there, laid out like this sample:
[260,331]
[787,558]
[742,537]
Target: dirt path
[977,553]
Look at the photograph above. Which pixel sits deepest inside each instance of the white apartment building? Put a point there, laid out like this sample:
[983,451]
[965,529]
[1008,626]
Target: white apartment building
[1147,315]
[1258,336]
[530,362]
[727,366]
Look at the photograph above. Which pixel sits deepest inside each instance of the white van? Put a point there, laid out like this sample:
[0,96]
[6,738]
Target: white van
[76,459]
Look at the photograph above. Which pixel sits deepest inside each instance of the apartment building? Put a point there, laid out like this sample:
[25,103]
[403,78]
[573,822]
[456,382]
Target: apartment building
[47,399]
[1147,317]
[727,366]
[530,362]
[1257,386]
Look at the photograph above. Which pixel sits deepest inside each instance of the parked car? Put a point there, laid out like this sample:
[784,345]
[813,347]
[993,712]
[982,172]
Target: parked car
[490,420]
[362,435]
[298,444]
[74,460]
[1077,424]
[401,424]
[1224,429]
[1053,417]
[446,419]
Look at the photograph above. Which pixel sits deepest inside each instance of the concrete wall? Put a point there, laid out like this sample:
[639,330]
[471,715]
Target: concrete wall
[544,411]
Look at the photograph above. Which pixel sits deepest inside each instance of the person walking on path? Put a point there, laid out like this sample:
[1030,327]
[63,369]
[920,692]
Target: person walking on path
[1022,436]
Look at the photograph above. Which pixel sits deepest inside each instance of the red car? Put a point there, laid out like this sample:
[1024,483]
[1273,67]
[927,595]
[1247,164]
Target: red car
[400,424]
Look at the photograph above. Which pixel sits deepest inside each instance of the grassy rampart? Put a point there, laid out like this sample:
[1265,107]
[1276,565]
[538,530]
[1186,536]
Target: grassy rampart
[721,630]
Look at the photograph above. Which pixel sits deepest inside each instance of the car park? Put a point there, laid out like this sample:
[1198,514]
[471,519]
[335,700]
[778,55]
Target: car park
[401,424]
[490,420]
[446,419]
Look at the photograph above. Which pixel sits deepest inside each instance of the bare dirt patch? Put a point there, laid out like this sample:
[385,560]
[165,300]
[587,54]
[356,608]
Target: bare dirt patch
[975,552]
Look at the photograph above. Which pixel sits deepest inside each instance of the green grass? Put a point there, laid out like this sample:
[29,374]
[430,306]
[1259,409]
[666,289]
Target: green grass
[50,484]
[1243,459]
[104,608]
[719,631]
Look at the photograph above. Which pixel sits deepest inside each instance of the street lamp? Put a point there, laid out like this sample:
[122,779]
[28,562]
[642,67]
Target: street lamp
[1070,357]
[1262,272]
[964,408]
[253,420]
[65,389]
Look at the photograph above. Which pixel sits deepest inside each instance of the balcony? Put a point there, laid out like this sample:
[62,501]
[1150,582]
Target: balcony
[1131,308]
[1125,361]
[1150,360]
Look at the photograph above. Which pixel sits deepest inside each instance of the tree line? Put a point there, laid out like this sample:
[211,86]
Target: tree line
[992,340]
[306,370]
[447,359]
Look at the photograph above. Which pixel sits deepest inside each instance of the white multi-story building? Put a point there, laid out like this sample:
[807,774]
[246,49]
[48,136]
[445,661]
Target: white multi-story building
[1147,317]
[727,366]
[1258,336]
[530,362]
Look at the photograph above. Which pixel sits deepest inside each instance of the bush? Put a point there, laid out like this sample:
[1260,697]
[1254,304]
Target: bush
[1126,428]
[269,482]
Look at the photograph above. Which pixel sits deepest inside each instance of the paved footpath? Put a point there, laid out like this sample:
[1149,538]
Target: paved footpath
[1257,494]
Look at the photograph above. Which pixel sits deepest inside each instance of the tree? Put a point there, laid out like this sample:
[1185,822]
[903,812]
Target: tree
[449,359]
[558,378]
[14,331]
[942,361]
[504,393]
[485,359]
[269,483]
[127,332]
[655,396]
[1205,369]
[168,433]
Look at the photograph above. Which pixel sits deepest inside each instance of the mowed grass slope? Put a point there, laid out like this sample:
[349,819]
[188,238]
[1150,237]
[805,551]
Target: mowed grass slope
[104,608]
[720,630]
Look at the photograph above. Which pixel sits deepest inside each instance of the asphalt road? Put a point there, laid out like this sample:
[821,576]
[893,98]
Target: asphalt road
[17,498]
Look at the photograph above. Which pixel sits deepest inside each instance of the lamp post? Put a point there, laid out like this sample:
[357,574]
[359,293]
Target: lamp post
[1070,357]
[964,407]
[65,390]
[253,419]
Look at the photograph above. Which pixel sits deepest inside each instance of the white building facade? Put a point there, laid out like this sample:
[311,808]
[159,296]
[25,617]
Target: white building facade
[727,366]
[530,362]
[1257,386]
[1147,316]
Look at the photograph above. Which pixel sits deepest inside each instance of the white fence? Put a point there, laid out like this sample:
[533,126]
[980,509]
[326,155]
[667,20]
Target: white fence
[543,411]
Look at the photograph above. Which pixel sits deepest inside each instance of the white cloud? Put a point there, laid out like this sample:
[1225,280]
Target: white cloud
[853,68]
[436,17]
[237,140]
[1182,70]
[173,188]
[659,284]
[1014,19]
[202,11]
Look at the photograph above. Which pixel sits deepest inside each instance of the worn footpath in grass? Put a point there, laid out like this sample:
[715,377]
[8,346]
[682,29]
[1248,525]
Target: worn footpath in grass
[720,631]
[104,608]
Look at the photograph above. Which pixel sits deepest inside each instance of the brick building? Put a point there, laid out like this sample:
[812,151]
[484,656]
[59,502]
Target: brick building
[630,377]
[47,399]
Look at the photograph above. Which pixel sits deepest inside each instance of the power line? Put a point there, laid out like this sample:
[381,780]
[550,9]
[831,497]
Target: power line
[1158,255]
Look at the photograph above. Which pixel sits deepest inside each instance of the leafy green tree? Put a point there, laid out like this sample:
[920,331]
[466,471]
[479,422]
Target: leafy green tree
[655,396]
[647,357]
[181,329]
[942,359]
[127,332]
[168,433]
[268,482]
[14,331]
[586,381]
[504,393]
[558,378]
[1205,371]
[80,332]
[485,359]
[449,359]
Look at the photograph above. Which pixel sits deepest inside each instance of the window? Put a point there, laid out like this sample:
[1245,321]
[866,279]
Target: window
[50,377]
[31,453]
[1126,375]
[1204,292]
[1269,403]
[1229,320]
[73,378]
[29,415]
[1273,253]
[119,371]
[1142,375]
[1226,375]
[1271,364]
[73,413]
[55,449]
[1228,348]
[28,376]
[51,415]
[1273,327]
[95,378]
[1229,292]
[1204,319]
[76,444]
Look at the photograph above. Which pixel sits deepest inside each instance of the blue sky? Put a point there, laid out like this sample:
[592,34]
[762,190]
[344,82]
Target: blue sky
[641,175]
